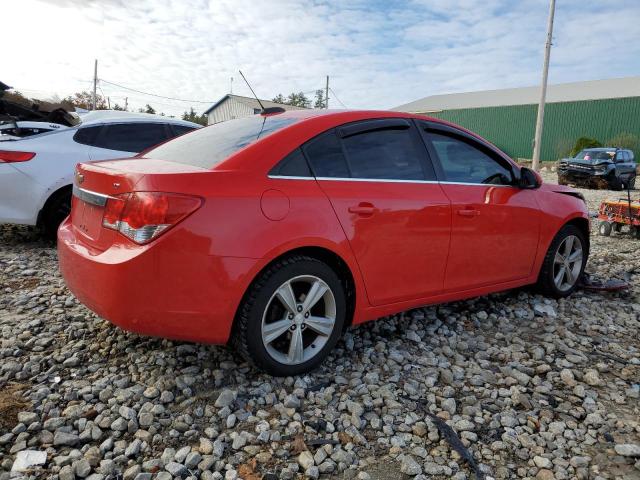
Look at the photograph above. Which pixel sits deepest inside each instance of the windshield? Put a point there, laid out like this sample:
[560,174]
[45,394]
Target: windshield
[209,146]
[596,155]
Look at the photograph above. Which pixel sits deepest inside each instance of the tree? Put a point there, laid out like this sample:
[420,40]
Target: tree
[192,116]
[321,101]
[119,108]
[298,100]
[84,100]
[582,143]
[147,109]
[626,140]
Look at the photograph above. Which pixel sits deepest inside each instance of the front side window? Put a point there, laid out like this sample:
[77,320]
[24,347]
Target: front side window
[387,154]
[132,137]
[464,162]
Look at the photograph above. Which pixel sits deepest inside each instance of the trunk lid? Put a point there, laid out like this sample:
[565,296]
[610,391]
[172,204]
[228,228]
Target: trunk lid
[95,183]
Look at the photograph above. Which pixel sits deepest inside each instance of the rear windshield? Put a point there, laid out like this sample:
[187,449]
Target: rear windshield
[209,146]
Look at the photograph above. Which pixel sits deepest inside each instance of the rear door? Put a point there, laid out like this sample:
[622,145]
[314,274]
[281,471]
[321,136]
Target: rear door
[396,217]
[495,225]
[127,139]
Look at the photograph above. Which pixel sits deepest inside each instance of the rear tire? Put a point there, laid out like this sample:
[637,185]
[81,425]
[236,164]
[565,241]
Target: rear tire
[605,228]
[564,263]
[281,333]
[56,209]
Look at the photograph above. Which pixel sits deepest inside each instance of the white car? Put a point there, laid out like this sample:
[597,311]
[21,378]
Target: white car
[36,172]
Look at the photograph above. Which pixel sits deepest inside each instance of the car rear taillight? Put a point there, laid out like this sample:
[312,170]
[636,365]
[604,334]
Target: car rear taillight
[143,216]
[7,156]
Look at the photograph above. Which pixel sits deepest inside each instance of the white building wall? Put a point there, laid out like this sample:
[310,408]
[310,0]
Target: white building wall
[228,110]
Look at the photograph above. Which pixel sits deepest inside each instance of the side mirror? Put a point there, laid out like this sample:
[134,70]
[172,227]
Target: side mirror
[529,179]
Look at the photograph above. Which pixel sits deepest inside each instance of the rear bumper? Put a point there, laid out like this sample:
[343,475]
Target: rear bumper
[169,288]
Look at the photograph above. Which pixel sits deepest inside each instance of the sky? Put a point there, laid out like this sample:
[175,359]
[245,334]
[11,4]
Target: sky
[378,54]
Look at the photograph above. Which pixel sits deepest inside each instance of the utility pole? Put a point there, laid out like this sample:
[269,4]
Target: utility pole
[109,103]
[231,87]
[126,103]
[537,142]
[95,84]
[326,93]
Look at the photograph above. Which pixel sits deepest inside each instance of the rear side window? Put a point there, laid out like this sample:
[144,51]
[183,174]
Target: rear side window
[465,162]
[325,156]
[207,147]
[86,135]
[180,129]
[132,137]
[293,165]
[391,154]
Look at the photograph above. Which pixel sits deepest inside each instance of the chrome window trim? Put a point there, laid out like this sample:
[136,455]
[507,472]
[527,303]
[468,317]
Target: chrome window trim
[477,184]
[384,180]
[88,196]
[289,177]
[381,180]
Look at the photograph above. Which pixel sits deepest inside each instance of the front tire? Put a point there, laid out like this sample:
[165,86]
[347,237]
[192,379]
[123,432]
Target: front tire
[291,317]
[564,263]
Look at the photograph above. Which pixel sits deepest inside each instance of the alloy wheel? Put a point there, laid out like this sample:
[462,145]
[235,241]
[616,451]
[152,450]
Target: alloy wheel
[567,263]
[298,320]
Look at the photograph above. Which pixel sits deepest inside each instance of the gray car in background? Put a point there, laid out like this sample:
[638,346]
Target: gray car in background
[608,167]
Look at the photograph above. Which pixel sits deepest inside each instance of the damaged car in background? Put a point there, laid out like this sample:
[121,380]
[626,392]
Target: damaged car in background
[21,118]
[607,168]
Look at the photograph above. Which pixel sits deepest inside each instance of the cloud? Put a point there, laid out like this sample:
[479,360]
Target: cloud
[378,54]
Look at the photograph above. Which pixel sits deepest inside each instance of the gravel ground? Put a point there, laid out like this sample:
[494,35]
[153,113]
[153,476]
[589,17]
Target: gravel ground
[533,388]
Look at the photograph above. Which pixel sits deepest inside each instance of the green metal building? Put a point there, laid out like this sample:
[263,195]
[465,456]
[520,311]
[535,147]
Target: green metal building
[600,109]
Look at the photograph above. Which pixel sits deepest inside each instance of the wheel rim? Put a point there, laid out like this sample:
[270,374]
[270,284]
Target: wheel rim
[298,320]
[567,263]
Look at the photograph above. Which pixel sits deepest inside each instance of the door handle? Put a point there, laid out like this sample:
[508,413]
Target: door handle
[364,208]
[468,212]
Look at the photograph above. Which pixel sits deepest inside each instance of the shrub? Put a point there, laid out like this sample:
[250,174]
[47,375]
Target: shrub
[626,140]
[582,143]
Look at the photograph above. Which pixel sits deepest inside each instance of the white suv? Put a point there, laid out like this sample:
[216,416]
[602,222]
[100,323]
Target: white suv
[36,172]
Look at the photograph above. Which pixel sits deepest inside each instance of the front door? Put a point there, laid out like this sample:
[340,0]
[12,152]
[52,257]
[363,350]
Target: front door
[495,224]
[395,215]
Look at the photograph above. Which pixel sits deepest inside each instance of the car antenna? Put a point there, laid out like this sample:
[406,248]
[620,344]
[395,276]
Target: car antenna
[254,93]
[264,111]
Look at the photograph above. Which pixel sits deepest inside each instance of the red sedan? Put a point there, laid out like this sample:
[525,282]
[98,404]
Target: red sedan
[276,232]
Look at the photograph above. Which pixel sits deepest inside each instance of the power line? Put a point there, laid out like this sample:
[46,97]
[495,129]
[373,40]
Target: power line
[154,95]
[336,97]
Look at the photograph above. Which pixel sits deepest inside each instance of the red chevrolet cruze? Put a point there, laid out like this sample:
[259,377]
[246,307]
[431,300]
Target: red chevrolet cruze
[276,232]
